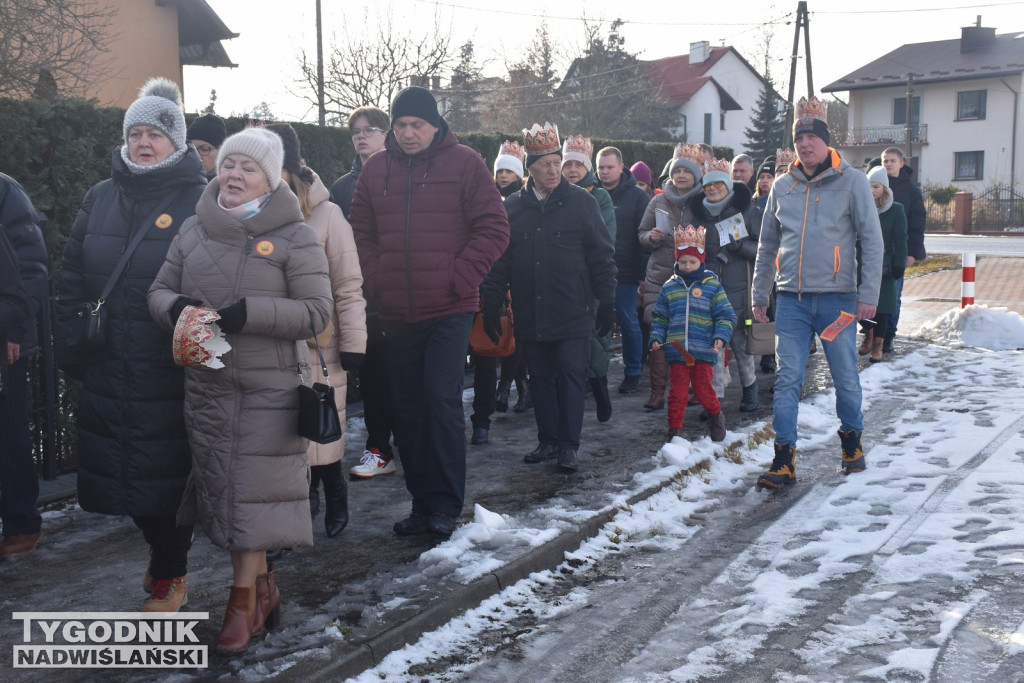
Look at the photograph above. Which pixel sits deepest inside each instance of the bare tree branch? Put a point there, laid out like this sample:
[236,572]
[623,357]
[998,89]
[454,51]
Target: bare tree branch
[53,46]
[366,69]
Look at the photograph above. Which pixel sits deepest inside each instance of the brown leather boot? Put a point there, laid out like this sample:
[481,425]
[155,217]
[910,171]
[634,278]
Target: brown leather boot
[236,632]
[659,378]
[865,347]
[876,350]
[268,603]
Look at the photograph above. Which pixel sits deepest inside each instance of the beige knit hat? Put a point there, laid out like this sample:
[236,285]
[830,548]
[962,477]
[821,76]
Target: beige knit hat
[260,145]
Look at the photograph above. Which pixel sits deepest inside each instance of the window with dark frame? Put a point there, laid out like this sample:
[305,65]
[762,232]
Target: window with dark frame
[899,111]
[970,105]
[968,165]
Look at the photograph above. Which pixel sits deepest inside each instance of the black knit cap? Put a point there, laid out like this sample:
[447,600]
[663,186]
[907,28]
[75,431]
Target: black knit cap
[813,126]
[416,101]
[767,166]
[208,127]
[293,162]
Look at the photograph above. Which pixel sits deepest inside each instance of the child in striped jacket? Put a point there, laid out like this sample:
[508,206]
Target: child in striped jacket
[693,320]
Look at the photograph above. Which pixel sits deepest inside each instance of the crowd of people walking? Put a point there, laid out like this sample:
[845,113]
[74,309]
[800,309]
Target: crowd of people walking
[385,274]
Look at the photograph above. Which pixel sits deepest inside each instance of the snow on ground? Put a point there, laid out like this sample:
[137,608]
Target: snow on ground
[940,502]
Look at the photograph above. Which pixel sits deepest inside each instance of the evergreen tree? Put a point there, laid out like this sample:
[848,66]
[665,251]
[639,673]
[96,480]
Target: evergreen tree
[461,104]
[765,134]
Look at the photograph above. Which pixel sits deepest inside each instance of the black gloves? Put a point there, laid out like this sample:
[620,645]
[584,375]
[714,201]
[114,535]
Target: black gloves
[232,318]
[351,361]
[605,319]
[180,305]
[491,311]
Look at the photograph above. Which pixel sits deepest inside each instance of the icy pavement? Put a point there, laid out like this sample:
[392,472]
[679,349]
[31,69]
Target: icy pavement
[908,571]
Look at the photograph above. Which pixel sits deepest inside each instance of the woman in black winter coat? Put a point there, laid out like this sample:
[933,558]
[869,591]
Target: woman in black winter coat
[132,446]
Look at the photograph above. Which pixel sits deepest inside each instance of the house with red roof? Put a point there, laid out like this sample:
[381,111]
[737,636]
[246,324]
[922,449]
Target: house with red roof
[715,91]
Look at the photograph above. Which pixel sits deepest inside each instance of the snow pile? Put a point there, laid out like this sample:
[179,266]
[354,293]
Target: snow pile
[996,329]
[471,551]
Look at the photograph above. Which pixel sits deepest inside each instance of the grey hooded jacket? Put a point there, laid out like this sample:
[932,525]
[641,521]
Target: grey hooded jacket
[810,230]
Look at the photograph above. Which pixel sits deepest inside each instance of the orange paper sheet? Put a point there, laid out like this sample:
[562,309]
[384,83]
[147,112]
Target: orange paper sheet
[837,326]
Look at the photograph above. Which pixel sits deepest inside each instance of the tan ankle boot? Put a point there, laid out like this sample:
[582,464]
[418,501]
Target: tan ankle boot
[236,632]
[268,603]
[865,347]
[168,595]
[876,350]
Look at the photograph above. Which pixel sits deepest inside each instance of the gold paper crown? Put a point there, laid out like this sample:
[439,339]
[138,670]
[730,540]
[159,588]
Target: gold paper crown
[691,152]
[689,237]
[578,144]
[812,109]
[541,140]
[784,157]
[723,165]
[512,148]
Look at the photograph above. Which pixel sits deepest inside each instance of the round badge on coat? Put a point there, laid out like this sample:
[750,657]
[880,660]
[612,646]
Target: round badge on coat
[696,292]
[265,248]
[164,221]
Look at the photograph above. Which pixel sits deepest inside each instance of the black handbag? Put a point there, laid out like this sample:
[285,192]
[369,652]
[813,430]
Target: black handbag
[87,329]
[318,415]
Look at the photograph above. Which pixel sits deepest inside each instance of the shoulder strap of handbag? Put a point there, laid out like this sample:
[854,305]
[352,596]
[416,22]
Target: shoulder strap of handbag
[323,364]
[133,245]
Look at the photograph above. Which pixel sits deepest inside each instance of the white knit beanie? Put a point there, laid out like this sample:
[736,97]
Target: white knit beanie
[878,175]
[262,146]
[508,162]
[159,106]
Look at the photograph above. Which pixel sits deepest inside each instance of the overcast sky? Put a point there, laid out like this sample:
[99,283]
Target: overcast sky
[844,36]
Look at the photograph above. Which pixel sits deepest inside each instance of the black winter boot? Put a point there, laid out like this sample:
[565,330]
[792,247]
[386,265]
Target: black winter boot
[604,401]
[748,403]
[853,452]
[782,473]
[501,397]
[525,401]
[335,498]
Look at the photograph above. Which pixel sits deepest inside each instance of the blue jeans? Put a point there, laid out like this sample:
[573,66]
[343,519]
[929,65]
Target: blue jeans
[797,319]
[894,317]
[629,325]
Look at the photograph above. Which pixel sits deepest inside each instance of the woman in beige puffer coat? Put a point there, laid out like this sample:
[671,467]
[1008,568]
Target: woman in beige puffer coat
[343,343]
[248,254]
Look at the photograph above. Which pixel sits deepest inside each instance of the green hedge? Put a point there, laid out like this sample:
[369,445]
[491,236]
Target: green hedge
[58,150]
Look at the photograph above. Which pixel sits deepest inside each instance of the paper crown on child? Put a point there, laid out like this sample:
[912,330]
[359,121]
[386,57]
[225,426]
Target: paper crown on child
[689,241]
[511,157]
[540,140]
[718,171]
[783,158]
[578,148]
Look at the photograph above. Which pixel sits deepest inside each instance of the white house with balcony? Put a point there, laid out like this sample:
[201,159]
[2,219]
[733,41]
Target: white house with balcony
[963,125]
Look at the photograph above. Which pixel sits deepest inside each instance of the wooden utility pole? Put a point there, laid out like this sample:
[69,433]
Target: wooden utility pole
[910,109]
[321,109]
[802,22]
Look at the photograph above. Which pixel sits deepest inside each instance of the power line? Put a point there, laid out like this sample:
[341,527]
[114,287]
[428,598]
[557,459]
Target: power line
[924,9]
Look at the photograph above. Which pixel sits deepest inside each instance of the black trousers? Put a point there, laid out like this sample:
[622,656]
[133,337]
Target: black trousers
[558,378]
[514,367]
[170,545]
[19,481]
[485,390]
[426,363]
[373,383]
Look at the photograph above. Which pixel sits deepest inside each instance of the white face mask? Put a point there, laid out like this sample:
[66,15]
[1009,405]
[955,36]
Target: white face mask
[247,210]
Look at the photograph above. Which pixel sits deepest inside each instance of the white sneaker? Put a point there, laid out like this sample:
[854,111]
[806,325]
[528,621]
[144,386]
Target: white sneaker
[370,465]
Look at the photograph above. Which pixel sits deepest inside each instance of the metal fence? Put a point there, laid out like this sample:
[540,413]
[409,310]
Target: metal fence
[998,208]
[939,216]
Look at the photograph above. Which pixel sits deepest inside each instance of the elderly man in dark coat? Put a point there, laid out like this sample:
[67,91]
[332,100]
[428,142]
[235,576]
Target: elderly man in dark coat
[559,260]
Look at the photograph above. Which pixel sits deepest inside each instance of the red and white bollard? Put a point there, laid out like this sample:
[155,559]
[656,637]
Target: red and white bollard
[967,281]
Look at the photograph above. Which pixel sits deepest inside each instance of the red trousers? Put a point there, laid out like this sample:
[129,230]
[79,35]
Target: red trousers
[681,376]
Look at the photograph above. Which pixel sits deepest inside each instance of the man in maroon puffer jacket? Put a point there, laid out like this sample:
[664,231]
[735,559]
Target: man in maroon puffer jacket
[429,223]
